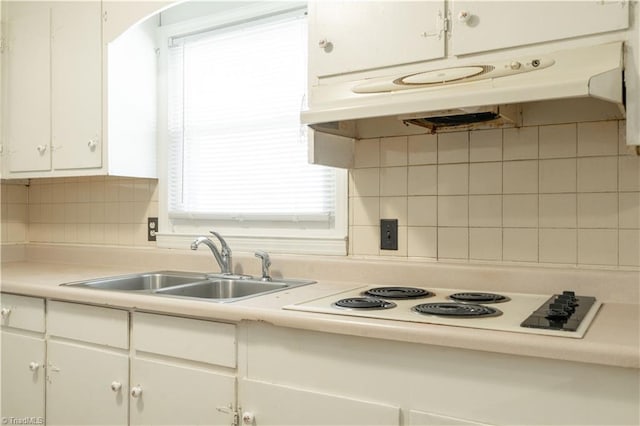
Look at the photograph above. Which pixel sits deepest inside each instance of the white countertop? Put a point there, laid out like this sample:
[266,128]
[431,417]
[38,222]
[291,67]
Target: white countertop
[613,338]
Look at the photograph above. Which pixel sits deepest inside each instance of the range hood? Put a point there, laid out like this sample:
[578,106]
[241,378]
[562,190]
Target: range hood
[472,91]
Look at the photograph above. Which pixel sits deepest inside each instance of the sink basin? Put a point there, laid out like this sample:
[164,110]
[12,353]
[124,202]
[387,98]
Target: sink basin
[212,287]
[142,282]
[224,289]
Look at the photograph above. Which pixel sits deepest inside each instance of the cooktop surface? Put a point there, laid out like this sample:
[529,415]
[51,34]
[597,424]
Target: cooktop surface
[564,315]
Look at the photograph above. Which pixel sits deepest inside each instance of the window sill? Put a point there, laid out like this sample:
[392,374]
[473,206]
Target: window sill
[315,245]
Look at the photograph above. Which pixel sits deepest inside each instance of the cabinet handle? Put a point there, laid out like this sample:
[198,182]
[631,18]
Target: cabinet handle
[33,366]
[325,45]
[116,386]
[41,149]
[248,418]
[136,391]
[5,312]
[464,16]
[92,144]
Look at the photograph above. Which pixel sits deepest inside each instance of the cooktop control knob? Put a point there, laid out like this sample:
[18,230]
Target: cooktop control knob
[515,65]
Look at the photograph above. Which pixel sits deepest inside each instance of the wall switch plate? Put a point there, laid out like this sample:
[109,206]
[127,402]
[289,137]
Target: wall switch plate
[152,228]
[388,234]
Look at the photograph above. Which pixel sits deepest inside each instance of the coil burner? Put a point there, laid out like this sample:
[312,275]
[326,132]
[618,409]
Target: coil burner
[461,310]
[398,292]
[364,303]
[473,297]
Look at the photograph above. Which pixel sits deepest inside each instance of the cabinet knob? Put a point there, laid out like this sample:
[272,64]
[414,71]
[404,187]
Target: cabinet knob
[325,45]
[5,312]
[41,149]
[248,418]
[92,144]
[136,391]
[464,16]
[116,386]
[33,366]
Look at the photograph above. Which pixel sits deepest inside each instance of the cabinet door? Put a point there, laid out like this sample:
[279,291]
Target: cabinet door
[76,84]
[22,375]
[282,405]
[28,109]
[420,418]
[493,25]
[347,36]
[172,394]
[79,385]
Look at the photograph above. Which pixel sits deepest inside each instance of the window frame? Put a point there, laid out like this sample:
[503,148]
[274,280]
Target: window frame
[272,236]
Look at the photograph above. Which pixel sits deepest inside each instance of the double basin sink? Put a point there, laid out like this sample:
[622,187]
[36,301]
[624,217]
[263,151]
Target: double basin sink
[195,286]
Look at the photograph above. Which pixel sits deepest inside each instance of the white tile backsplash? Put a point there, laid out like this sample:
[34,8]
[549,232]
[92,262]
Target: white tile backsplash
[485,145]
[548,194]
[422,180]
[520,143]
[557,210]
[520,177]
[79,210]
[453,179]
[423,149]
[562,194]
[598,138]
[485,244]
[558,175]
[485,178]
[367,153]
[598,174]
[485,211]
[558,141]
[422,211]
[453,210]
[453,147]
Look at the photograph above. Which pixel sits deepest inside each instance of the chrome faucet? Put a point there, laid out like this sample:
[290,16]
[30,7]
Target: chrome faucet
[266,262]
[223,257]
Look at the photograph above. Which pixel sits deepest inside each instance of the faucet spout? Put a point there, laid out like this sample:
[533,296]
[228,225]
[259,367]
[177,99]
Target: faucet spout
[223,257]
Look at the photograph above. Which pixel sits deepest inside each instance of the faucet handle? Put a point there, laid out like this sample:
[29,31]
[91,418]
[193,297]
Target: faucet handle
[266,263]
[223,244]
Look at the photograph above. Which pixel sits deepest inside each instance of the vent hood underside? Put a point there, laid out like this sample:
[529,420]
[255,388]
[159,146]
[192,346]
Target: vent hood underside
[486,99]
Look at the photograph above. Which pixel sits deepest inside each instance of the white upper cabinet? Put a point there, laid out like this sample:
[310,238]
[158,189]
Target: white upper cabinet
[28,107]
[358,36]
[478,26]
[347,36]
[56,64]
[76,85]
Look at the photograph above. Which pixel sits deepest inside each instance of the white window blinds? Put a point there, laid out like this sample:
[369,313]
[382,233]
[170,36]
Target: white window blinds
[237,150]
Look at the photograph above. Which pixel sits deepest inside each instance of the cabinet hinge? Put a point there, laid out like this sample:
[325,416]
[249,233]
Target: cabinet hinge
[235,415]
[104,16]
[442,26]
[3,44]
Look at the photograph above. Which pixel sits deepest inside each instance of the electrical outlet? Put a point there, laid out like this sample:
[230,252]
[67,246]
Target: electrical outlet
[152,228]
[388,234]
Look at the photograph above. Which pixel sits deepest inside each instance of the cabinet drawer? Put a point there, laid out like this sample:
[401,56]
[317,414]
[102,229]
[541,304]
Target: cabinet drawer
[197,340]
[23,312]
[103,326]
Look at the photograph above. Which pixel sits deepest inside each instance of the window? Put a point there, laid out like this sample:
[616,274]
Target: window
[236,151]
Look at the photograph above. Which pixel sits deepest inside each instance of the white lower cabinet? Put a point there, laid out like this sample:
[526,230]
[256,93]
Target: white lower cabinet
[270,404]
[173,394]
[419,418]
[22,376]
[182,371]
[22,358]
[87,365]
[86,385]
[290,376]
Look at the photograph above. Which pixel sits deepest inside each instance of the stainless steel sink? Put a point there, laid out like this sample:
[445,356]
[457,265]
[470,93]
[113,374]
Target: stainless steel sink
[226,289]
[212,287]
[141,282]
